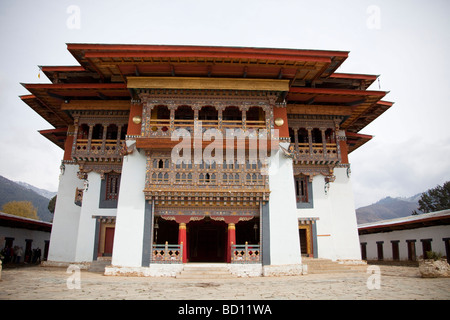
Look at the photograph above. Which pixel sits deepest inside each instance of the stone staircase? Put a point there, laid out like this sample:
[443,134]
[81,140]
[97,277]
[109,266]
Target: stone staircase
[318,266]
[204,271]
[99,265]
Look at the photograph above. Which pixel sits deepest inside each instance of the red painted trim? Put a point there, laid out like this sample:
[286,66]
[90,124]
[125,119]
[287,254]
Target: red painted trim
[133,128]
[284,129]
[75,86]
[338,91]
[28,96]
[353,76]
[58,130]
[385,103]
[358,135]
[25,221]
[62,68]
[217,49]
[231,55]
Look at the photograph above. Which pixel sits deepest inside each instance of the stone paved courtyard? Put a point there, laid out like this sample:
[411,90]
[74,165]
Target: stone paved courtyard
[395,283]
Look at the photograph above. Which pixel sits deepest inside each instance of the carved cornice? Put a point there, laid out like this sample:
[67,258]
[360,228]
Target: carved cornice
[198,98]
[100,117]
[100,168]
[310,122]
[313,170]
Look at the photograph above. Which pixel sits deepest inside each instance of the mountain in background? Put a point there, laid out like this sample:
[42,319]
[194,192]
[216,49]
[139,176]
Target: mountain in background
[21,191]
[45,193]
[388,208]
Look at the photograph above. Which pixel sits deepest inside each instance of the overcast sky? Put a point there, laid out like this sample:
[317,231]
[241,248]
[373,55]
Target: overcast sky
[405,42]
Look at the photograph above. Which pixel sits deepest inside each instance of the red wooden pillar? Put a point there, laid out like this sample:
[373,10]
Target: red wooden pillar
[231,240]
[182,239]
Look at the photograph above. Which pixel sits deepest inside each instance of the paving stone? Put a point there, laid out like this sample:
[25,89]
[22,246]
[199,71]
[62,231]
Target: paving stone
[396,283]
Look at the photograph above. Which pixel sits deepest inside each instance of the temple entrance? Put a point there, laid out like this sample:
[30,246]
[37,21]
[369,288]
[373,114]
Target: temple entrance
[207,241]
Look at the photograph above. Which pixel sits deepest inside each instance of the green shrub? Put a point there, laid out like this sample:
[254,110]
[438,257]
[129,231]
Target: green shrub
[433,255]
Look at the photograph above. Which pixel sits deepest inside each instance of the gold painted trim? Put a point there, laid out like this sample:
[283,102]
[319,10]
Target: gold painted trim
[207,83]
[96,105]
[309,248]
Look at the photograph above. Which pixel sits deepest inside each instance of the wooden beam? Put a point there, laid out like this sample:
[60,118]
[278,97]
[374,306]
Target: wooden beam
[96,105]
[207,83]
[167,143]
[319,109]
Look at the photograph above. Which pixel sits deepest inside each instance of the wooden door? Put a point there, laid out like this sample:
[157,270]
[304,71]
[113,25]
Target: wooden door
[109,241]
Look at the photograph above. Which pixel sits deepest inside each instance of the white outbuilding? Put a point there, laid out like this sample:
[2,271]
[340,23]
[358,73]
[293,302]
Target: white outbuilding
[406,238]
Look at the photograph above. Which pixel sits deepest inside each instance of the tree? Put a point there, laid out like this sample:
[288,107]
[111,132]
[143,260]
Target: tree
[21,208]
[435,199]
[51,205]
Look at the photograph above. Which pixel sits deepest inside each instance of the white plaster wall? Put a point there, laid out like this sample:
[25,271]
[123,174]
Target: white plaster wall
[63,238]
[343,217]
[321,210]
[86,227]
[284,238]
[20,235]
[337,232]
[129,230]
[435,233]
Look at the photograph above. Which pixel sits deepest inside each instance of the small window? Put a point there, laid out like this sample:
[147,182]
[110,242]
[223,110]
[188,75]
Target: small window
[301,188]
[395,250]
[380,252]
[426,247]
[411,250]
[112,186]
[364,250]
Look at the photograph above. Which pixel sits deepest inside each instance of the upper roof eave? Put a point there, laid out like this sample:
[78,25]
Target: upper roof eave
[194,48]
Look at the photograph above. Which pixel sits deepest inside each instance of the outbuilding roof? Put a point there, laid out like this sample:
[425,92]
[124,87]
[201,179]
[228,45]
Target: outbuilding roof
[409,222]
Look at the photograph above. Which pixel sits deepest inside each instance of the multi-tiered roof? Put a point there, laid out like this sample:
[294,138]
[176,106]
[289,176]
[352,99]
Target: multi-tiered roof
[102,81]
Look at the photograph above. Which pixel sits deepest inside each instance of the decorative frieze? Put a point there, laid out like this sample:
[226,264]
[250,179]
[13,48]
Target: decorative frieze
[314,170]
[101,168]
[197,99]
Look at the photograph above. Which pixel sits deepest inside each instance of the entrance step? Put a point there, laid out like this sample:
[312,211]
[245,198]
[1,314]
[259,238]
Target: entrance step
[316,266]
[205,271]
[99,265]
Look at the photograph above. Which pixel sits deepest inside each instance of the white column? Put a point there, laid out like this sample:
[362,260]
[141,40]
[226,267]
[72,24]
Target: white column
[86,227]
[343,217]
[66,217]
[128,237]
[283,224]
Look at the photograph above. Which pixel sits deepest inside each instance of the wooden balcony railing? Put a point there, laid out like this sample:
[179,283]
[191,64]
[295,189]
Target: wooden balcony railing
[248,253]
[96,148]
[324,153]
[167,253]
[165,127]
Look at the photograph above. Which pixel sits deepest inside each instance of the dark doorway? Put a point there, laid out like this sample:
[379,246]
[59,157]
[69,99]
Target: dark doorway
[303,242]
[207,241]
[247,231]
[109,241]
[426,247]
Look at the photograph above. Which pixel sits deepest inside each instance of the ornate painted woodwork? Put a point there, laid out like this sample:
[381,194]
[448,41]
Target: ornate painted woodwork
[247,253]
[154,126]
[167,253]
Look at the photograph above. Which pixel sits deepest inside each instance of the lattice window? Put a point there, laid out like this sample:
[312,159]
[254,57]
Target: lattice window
[301,188]
[183,177]
[207,177]
[160,177]
[161,164]
[112,186]
[254,178]
[231,178]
